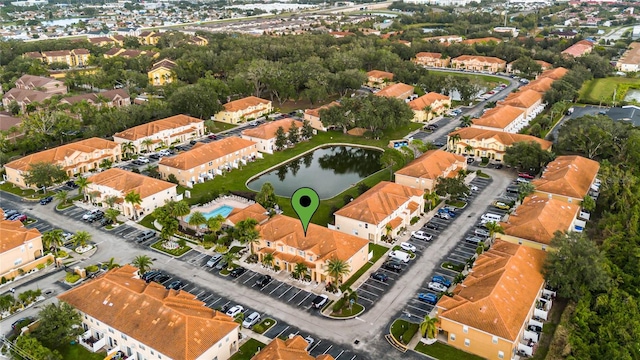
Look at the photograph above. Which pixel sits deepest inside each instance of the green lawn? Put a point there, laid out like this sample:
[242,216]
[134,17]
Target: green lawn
[263,325]
[78,352]
[378,252]
[177,252]
[483,78]
[445,352]
[221,126]
[355,309]
[27,193]
[403,330]
[247,350]
[598,91]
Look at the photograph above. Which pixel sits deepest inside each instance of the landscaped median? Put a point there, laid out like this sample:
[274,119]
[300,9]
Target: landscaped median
[263,326]
[173,250]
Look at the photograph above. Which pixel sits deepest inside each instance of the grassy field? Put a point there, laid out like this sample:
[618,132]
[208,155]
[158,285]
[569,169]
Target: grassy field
[601,90]
[492,80]
[445,352]
[403,330]
[247,350]
[221,126]
[78,352]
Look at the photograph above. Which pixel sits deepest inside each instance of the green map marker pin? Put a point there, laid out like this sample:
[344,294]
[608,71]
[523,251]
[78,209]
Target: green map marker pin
[305,202]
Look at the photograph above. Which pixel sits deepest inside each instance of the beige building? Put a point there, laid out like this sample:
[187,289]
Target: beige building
[265,135]
[75,57]
[430,59]
[24,97]
[313,116]
[569,179]
[161,73]
[379,79]
[399,91]
[381,211]
[555,74]
[528,100]
[502,118]
[428,106]
[75,158]
[284,238]
[479,63]
[42,84]
[491,144]
[204,161]
[165,132]
[122,313]
[491,310]
[118,183]
[630,60]
[294,348]
[534,222]
[18,245]
[541,85]
[423,173]
[109,98]
[244,109]
[10,127]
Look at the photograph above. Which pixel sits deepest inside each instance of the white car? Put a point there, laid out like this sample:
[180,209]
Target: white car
[408,247]
[235,311]
[474,188]
[435,286]
[521,180]
[89,214]
[143,160]
[251,320]
[420,235]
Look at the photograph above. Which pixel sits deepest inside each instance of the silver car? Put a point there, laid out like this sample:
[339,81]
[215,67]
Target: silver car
[251,320]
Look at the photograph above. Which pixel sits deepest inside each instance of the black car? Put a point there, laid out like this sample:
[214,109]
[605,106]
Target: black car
[392,266]
[71,184]
[45,201]
[237,272]
[438,144]
[499,166]
[105,221]
[432,226]
[149,275]
[263,280]
[193,142]
[176,285]
[380,276]
[470,160]
[24,321]
[154,156]
[95,217]
[161,278]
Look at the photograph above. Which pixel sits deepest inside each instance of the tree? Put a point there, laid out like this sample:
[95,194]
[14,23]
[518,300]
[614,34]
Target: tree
[267,260]
[45,174]
[52,240]
[59,323]
[525,189]
[390,159]
[128,148]
[337,268]
[110,201]
[307,130]
[143,263]
[466,121]
[494,228]
[147,143]
[215,223]
[267,196]
[112,215]
[197,219]
[229,257]
[294,133]
[81,238]
[62,196]
[454,187]
[527,66]
[111,264]
[246,232]
[577,267]
[6,302]
[588,204]
[428,327]
[196,100]
[594,136]
[527,156]
[134,199]
[82,183]
[281,139]
[31,348]
[431,199]
[300,271]
[179,209]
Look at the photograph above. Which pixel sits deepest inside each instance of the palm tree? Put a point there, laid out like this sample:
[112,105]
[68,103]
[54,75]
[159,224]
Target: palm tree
[143,263]
[524,190]
[110,200]
[466,121]
[147,143]
[432,199]
[494,228]
[246,232]
[6,301]
[229,257]
[267,260]
[468,149]
[82,183]
[112,215]
[112,264]
[215,223]
[128,148]
[300,271]
[134,199]
[427,111]
[453,140]
[53,239]
[81,239]
[62,196]
[179,208]
[196,219]
[459,278]
[337,268]
[428,327]
[169,227]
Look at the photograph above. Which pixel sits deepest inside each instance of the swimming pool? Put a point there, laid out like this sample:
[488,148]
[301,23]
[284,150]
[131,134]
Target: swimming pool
[223,210]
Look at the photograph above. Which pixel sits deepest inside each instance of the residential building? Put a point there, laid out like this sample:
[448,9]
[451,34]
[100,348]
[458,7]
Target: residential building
[75,57]
[169,131]
[129,53]
[106,41]
[204,161]
[491,144]
[543,65]
[568,178]
[502,118]
[198,40]
[340,34]
[42,84]
[446,39]
[24,97]
[484,40]
[284,238]
[430,59]
[109,98]
[555,74]
[80,57]
[122,312]
[149,38]
[429,106]
[75,158]
[10,126]
[399,91]
[161,73]
[534,222]
[254,211]
[528,100]
[118,183]
[294,348]
[313,116]
[238,111]
[381,211]
[479,63]
[491,310]
[582,47]
[379,79]
[35,55]
[424,172]
[541,85]
[18,245]
[264,135]
[630,60]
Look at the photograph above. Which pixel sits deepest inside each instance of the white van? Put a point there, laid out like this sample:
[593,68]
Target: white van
[491,217]
[400,255]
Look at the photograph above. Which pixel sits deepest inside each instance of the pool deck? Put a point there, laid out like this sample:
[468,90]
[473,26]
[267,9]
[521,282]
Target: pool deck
[233,201]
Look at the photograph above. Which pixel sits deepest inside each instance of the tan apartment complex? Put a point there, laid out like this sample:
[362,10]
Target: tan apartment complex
[264,135]
[528,100]
[502,118]
[313,116]
[165,132]
[294,348]
[244,109]
[630,60]
[479,63]
[75,158]
[124,314]
[41,83]
[379,79]
[423,173]
[204,161]
[399,91]
[284,238]
[569,179]
[18,245]
[428,106]
[109,98]
[430,59]
[491,144]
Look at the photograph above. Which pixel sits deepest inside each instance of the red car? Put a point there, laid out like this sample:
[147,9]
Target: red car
[526,175]
[22,217]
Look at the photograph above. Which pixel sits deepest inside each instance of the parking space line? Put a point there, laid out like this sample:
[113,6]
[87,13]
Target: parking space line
[281,332]
[254,274]
[200,293]
[276,288]
[375,287]
[285,292]
[364,298]
[326,351]
[354,356]
[369,292]
[341,352]
[207,298]
[303,300]
[213,303]
[315,346]
[295,295]
[417,308]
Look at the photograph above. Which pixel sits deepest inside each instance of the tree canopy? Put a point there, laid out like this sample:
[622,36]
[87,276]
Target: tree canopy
[45,174]
[527,156]
[59,323]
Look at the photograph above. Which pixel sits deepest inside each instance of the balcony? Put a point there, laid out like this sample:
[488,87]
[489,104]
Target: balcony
[116,354]
[91,342]
[578,225]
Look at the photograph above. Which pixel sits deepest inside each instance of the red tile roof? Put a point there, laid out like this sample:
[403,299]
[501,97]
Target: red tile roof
[570,176]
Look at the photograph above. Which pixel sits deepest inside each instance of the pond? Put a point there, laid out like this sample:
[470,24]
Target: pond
[632,95]
[329,171]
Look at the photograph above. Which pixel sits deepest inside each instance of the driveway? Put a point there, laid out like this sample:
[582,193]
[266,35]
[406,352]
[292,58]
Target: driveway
[578,111]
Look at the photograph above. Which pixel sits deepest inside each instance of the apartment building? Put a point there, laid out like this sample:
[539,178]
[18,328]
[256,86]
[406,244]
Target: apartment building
[294,348]
[429,106]
[169,131]
[445,39]
[379,79]
[423,173]
[430,59]
[484,40]
[491,310]
[24,97]
[124,315]
[161,73]
[541,85]
[129,53]
[109,98]
[73,58]
[543,65]
[18,245]
[528,100]
[10,126]
[75,158]
[244,109]
[399,91]
[630,60]
[381,211]
[264,135]
[313,116]
[568,178]
[491,144]
[581,48]
[502,118]
[479,63]
[204,161]
[149,38]
[555,74]
[41,84]
[283,237]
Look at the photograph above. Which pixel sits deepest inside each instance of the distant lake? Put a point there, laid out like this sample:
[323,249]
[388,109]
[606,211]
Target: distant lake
[62,22]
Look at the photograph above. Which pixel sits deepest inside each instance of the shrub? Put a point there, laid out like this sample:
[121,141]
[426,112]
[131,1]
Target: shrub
[71,278]
[414,220]
[337,307]
[92,268]
[347,199]
[362,188]
[20,271]
[3,280]
[49,262]
[252,259]
[62,254]
[40,266]
[221,249]
[172,179]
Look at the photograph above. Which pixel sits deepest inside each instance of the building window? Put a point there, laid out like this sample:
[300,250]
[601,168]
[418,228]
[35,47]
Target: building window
[355,232]
[467,342]
[500,355]
[111,330]
[268,243]
[123,336]
[494,340]
[465,329]
[152,352]
[452,337]
[366,226]
[18,261]
[142,347]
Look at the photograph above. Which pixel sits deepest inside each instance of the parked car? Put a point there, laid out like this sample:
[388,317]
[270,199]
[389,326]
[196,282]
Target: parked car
[475,240]
[71,184]
[161,278]
[526,175]
[175,285]
[67,237]
[447,211]
[521,180]
[474,188]
[442,280]
[380,276]
[470,160]
[513,189]
[95,217]
[481,232]
[25,320]
[235,310]
[10,213]
[213,137]
[444,216]
[429,298]
[145,235]
[407,247]
[320,301]
[222,264]
[399,255]
[193,142]
[154,156]
[143,160]
[19,217]
[251,320]
[501,205]
[421,235]
[392,266]
[46,200]
[436,287]
[105,221]
[89,213]
[237,272]
[263,280]
[499,166]
[150,275]
[214,260]
[432,226]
